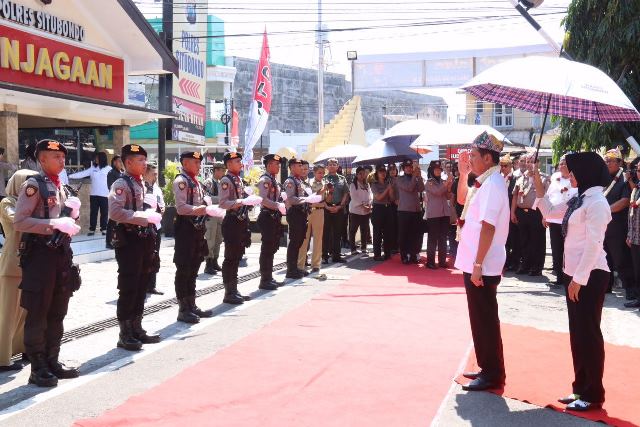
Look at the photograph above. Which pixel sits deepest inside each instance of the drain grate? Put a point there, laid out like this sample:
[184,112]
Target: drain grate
[101,325]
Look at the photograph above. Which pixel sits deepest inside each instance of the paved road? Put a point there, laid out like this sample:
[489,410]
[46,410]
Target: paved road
[111,375]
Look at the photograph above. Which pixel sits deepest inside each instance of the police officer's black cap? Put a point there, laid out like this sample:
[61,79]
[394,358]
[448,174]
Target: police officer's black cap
[230,156]
[190,155]
[50,145]
[269,157]
[294,161]
[435,164]
[133,149]
[407,162]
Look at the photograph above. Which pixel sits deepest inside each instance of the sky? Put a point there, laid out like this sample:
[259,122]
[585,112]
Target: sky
[374,27]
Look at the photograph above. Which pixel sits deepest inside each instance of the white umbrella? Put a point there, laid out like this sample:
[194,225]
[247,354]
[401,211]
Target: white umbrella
[408,131]
[453,134]
[345,153]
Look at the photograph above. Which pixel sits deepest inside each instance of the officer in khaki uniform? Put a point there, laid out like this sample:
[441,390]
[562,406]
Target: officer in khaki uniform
[44,214]
[297,211]
[190,245]
[315,224]
[235,227]
[134,241]
[269,220]
[213,234]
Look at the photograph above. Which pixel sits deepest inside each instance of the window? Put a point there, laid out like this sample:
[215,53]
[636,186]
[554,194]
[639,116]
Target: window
[479,107]
[502,116]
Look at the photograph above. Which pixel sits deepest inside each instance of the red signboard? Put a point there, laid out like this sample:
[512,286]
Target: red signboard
[39,62]
[453,153]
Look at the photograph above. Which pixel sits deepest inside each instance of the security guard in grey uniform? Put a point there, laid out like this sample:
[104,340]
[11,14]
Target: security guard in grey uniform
[44,214]
[269,220]
[235,227]
[410,188]
[297,213]
[190,246]
[134,241]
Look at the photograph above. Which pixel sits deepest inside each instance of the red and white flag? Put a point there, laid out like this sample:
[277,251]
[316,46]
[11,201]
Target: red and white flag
[235,132]
[260,106]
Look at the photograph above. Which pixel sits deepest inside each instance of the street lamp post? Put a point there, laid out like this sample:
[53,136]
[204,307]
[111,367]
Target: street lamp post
[352,56]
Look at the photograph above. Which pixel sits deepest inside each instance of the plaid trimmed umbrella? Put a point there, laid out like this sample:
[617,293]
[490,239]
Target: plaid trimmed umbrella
[554,85]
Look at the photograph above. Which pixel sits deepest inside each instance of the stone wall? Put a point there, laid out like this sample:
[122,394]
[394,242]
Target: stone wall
[295,101]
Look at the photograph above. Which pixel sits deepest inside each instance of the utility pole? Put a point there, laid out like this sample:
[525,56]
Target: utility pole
[165,90]
[320,69]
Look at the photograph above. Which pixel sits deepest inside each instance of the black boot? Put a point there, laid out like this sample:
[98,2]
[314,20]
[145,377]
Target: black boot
[215,265]
[208,268]
[197,311]
[40,373]
[184,312]
[141,335]
[231,294]
[267,283]
[59,369]
[127,340]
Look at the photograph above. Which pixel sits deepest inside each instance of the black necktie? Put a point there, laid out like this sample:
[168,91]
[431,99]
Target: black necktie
[574,203]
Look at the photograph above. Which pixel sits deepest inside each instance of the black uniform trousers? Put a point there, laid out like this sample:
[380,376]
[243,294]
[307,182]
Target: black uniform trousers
[358,222]
[587,344]
[438,230]
[234,231]
[45,297]
[98,204]
[383,221]
[485,326]
[619,257]
[514,253]
[135,260]
[557,249]
[297,220]
[533,239]
[331,233]
[270,228]
[409,233]
[393,236]
[155,263]
[190,249]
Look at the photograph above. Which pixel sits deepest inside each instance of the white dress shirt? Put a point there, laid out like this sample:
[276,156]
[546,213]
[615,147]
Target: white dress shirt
[98,176]
[491,205]
[360,197]
[559,191]
[583,245]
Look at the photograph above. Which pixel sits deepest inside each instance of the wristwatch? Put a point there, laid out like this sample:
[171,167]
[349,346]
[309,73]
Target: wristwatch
[477,264]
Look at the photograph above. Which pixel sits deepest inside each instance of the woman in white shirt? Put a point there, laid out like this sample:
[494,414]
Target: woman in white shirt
[359,210]
[98,198]
[586,274]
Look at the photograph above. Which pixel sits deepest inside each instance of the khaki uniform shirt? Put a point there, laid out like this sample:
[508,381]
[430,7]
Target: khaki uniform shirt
[212,187]
[121,202]
[409,191]
[182,191]
[525,191]
[294,190]
[29,215]
[269,190]
[316,187]
[228,194]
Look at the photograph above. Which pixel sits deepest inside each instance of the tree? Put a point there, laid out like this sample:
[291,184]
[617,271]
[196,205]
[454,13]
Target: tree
[605,34]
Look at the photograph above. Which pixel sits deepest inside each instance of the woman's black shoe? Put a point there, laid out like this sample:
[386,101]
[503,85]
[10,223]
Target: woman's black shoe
[378,258]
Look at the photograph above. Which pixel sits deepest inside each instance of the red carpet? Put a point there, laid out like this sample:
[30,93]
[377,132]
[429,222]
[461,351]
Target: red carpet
[539,371]
[380,350]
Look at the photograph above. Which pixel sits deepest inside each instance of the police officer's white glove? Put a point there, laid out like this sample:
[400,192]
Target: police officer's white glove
[74,204]
[282,208]
[284,196]
[248,190]
[65,225]
[151,200]
[207,200]
[316,198]
[251,200]
[215,211]
[153,217]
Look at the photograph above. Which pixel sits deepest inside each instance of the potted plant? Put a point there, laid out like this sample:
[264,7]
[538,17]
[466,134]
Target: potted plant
[170,172]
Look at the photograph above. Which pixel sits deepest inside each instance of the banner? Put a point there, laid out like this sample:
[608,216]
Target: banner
[189,89]
[260,106]
[235,132]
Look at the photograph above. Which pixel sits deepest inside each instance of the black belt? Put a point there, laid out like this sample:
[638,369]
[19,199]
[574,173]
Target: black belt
[526,209]
[386,205]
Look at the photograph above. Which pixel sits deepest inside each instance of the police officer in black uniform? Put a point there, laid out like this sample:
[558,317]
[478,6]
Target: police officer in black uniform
[44,214]
[269,220]
[134,241]
[190,244]
[297,213]
[235,227]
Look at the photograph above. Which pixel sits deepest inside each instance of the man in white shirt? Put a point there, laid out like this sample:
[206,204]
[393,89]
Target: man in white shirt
[559,191]
[481,255]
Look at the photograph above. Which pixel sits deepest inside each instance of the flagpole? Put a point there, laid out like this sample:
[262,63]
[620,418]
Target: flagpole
[320,69]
